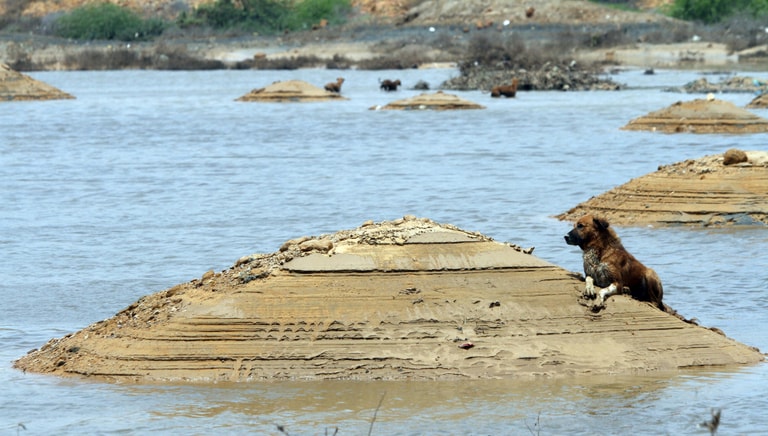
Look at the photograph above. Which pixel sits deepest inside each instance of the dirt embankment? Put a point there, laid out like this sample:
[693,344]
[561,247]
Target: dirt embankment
[400,34]
[716,190]
[403,299]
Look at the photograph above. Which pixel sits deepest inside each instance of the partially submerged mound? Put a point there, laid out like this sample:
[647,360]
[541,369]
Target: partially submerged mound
[435,101]
[404,299]
[731,84]
[15,86]
[701,116]
[726,189]
[759,102]
[290,91]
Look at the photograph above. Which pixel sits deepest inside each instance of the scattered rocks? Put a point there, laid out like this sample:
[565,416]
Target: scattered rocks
[548,77]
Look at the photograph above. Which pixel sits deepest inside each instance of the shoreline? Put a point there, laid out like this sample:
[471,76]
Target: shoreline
[373,48]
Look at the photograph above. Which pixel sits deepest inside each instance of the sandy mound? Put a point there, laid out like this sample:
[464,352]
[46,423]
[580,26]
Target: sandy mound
[435,101]
[698,192]
[731,84]
[759,102]
[290,91]
[17,86]
[701,116]
[405,299]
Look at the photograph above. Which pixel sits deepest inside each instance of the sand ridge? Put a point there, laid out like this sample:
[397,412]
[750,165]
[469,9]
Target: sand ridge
[694,192]
[397,300]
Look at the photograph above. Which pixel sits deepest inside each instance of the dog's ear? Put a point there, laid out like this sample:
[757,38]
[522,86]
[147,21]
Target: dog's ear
[601,223]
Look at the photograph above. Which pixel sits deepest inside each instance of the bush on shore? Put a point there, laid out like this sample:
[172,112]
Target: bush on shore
[713,11]
[266,16]
[106,21]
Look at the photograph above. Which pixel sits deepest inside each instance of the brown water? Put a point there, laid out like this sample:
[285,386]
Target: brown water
[149,179]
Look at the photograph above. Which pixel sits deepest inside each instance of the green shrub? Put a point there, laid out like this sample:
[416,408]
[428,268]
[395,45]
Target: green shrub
[309,12]
[712,11]
[266,16]
[253,15]
[106,21]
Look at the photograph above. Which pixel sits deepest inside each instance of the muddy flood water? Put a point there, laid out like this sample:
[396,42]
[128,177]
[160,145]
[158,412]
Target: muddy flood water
[149,179]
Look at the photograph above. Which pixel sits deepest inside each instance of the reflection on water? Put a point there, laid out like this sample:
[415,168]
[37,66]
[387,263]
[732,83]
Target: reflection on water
[149,179]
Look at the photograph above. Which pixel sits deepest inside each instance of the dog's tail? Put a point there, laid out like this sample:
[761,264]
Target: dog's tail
[655,289]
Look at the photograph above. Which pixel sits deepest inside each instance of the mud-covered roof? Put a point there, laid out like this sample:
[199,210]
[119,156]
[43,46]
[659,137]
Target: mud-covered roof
[15,86]
[430,101]
[712,190]
[290,91]
[402,299]
[701,116]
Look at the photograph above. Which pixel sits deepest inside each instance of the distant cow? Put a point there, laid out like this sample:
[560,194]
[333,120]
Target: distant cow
[529,12]
[389,85]
[334,86]
[505,90]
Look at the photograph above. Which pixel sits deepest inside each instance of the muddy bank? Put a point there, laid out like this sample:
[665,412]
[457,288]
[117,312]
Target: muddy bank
[715,190]
[402,299]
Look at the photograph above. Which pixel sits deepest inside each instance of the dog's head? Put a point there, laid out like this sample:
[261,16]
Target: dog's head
[585,230]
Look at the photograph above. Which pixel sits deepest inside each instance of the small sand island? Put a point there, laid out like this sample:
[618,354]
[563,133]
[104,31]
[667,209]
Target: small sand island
[15,86]
[408,299]
[759,102]
[430,101]
[290,91]
[701,116]
[731,84]
[717,190]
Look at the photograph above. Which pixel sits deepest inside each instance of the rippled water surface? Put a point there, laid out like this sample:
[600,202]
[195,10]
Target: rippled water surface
[149,179]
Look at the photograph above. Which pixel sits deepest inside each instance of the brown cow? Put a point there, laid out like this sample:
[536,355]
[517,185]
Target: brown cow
[334,86]
[505,90]
[390,85]
[610,267]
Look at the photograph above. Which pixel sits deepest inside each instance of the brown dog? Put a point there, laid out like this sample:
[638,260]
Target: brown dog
[335,86]
[608,265]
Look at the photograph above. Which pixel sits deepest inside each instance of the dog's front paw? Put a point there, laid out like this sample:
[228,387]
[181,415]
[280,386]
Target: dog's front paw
[599,303]
[589,288]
